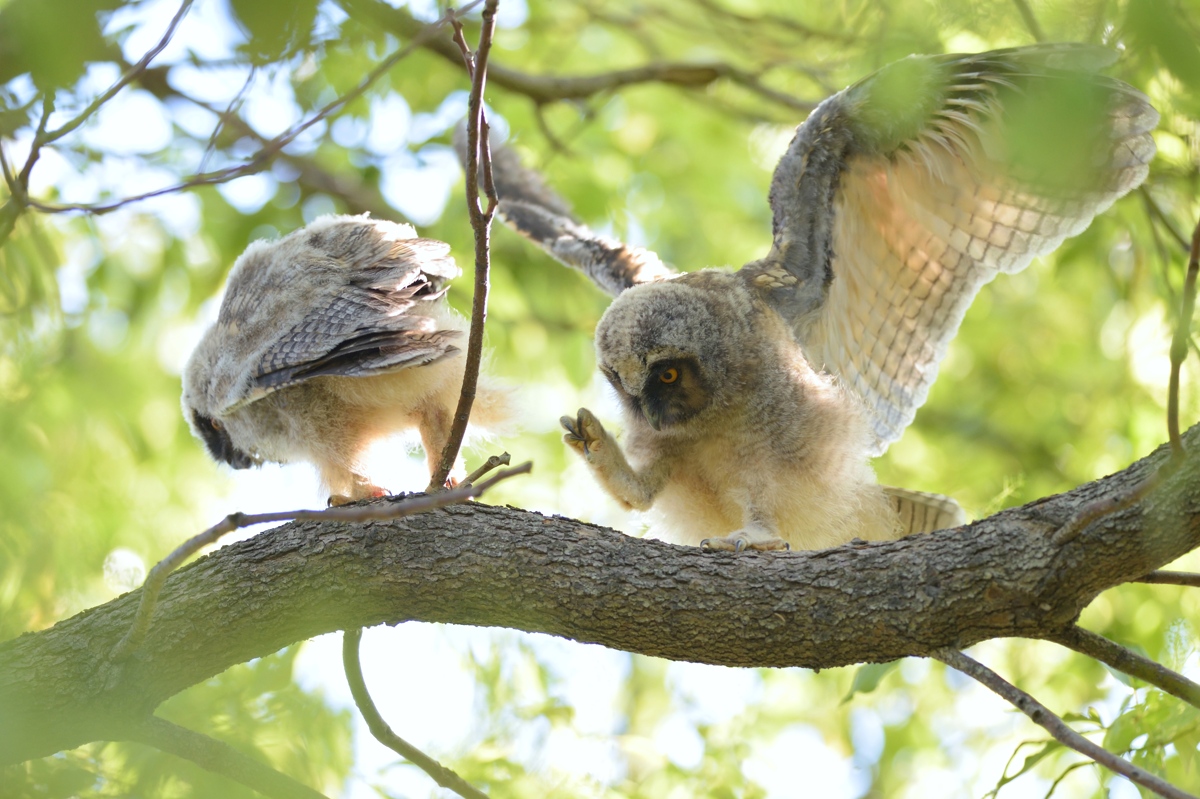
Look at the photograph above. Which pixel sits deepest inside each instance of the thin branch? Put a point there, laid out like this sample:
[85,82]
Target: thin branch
[443,776]
[219,758]
[35,149]
[230,112]
[129,76]
[1179,343]
[358,195]
[1035,30]
[234,521]
[1058,728]
[479,160]
[1066,772]
[259,160]
[543,89]
[1158,213]
[14,206]
[1127,661]
[1189,579]
[751,81]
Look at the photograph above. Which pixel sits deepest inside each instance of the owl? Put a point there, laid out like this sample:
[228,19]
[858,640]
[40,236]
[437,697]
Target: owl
[753,400]
[328,339]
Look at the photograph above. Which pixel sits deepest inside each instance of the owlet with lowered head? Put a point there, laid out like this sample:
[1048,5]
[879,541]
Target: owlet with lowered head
[754,399]
[328,339]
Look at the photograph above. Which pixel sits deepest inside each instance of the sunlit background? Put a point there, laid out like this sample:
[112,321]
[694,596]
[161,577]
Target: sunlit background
[1058,377]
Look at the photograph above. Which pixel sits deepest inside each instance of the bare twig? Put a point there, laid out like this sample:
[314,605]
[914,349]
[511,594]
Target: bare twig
[443,776]
[259,160]
[234,521]
[1156,212]
[14,206]
[219,758]
[1129,662]
[479,160]
[38,136]
[1065,773]
[1190,579]
[1058,728]
[230,112]
[1179,343]
[494,462]
[1035,30]
[542,89]
[129,76]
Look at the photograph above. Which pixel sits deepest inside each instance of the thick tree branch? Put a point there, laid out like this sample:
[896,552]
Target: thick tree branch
[490,566]
[236,521]
[217,757]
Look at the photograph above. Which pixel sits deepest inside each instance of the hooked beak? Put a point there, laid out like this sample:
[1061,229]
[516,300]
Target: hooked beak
[652,414]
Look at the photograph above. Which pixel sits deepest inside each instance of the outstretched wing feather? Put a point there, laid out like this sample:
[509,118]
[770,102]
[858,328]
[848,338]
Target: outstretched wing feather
[921,211]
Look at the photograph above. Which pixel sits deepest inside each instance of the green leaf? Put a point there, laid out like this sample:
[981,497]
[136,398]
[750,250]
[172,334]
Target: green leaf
[867,677]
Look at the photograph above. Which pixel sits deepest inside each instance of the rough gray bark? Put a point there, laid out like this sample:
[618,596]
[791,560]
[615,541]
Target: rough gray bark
[483,565]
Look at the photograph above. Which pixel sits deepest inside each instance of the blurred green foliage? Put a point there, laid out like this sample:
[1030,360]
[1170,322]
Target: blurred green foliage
[1057,377]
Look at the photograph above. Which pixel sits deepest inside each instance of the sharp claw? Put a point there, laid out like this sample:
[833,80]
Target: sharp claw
[740,545]
[787,547]
[704,544]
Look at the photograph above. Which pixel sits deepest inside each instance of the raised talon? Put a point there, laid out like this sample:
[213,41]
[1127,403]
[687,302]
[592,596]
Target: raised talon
[584,433]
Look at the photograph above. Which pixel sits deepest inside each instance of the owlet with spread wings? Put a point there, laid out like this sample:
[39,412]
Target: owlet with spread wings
[328,339]
[754,399]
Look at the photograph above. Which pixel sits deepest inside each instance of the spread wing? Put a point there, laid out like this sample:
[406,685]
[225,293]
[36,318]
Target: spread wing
[374,305]
[904,194]
[533,209]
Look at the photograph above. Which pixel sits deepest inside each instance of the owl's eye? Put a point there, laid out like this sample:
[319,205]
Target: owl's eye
[669,375]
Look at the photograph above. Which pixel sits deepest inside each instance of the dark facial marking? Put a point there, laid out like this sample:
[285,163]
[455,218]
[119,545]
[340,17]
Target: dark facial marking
[219,444]
[675,392]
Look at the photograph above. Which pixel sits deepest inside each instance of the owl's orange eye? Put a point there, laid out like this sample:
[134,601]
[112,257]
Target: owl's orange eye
[669,375]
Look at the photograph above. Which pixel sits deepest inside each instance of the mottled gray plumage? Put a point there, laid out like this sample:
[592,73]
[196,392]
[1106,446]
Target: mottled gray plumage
[755,398]
[312,354]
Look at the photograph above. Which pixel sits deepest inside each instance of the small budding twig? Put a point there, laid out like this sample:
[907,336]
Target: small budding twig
[1059,729]
[395,510]
[443,776]
[503,459]
[479,158]
[1179,343]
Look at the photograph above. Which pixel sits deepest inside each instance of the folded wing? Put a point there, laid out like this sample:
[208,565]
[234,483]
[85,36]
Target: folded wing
[374,306]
